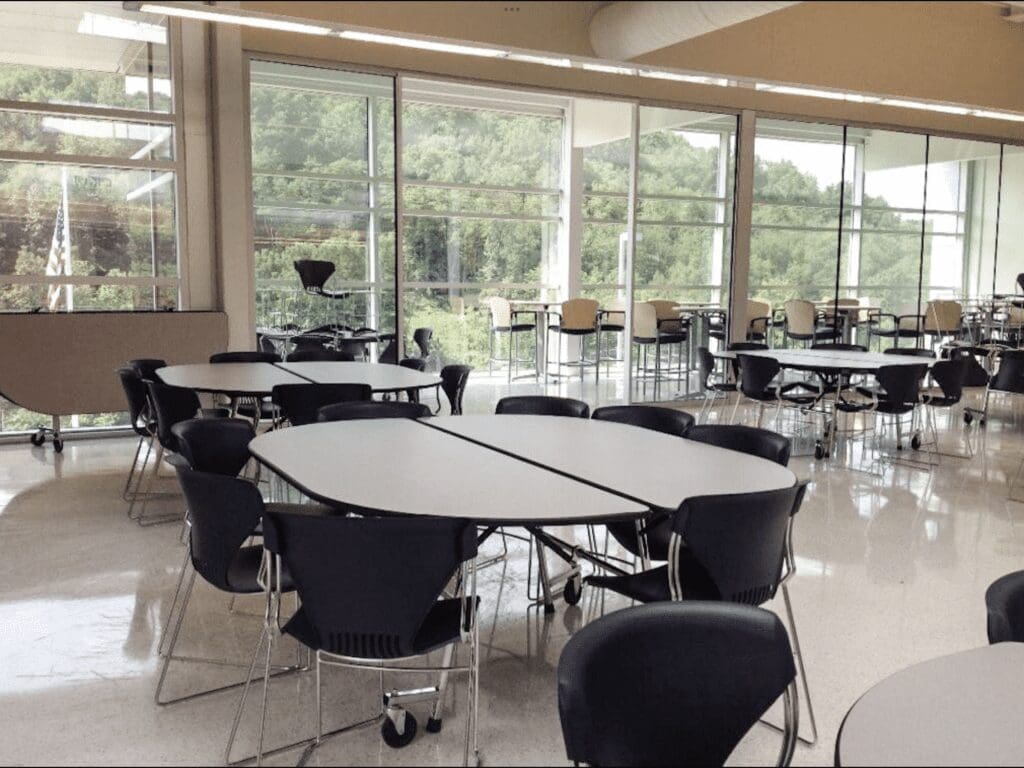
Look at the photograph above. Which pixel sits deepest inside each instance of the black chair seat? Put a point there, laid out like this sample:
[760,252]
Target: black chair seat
[244,571]
[517,328]
[613,328]
[723,386]
[674,337]
[572,331]
[892,333]
[657,536]
[652,586]
[819,333]
[787,393]
[334,294]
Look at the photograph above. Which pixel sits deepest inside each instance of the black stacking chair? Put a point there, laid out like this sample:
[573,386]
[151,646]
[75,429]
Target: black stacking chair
[738,437]
[218,446]
[897,394]
[224,513]
[390,354]
[543,405]
[414,364]
[374,409]
[373,597]
[142,423]
[667,420]
[147,367]
[836,346]
[245,357]
[1004,601]
[1008,378]
[300,404]
[314,274]
[453,381]
[743,346]
[421,338]
[247,407]
[950,376]
[910,352]
[674,684]
[320,355]
[756,377]
[712,385]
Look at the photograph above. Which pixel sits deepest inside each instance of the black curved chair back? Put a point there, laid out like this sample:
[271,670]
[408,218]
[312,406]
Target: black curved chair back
[667,420]
[1009,377]
[738,437]
[1020,281]
[390,354]
[453,381]
[543,405]
[301,403]
[135,394]
[313,274]
[670,683]
[320,355]
[245,357]
[951,376]
[839,347]
[756,373]
[415,363]
[374,409]
[910,352]
[147,367]
[706,366]
[738,542]
[976,375]
[743,346]
[1004,601]
[218,446]
[223,512]
[421,337]
[367,584]
[901,384]
[171,405]
[265,344]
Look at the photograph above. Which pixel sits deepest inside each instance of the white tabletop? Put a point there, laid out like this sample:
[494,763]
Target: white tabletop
[228,378]
[400,466]
[830,359]
[654,468]
[964,709]
[381,377]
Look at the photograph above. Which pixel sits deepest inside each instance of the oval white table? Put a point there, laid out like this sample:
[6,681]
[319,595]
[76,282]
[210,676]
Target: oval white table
[830,361]
[234,379]
[381,377]
[963,709]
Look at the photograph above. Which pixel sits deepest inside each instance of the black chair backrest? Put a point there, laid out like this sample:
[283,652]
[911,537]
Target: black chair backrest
[415,363]
[667,420]
[543,405]
[975,375]
[1009,377]
[1020,281]
[743,346]
[171,405]
[218,446]
[738,437]
[366,584]
[951,376]
[374,409]
[839,347]
[147,367]
[245,357]
[706,365]
[910,352]
[756,373]
[312,273]
[135,394]
[901,383]
[670,683]
[301,403]
[1004,601]
[421,337]
[320,355]
[223,512]
[453,381]
[390,353]
[265,344]
[739,540]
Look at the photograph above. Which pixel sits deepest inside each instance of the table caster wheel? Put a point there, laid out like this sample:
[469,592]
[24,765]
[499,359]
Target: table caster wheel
[393,738]
[981,423]
[38,438]
[915,442]
[968,417]
[433,725]
[573,590]
[58,445]
[819,451]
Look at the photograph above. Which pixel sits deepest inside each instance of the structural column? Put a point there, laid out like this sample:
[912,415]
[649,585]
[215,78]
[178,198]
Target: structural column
[743,215]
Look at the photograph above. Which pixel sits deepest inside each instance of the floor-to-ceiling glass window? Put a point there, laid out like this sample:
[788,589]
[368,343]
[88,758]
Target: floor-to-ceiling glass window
[323,189]
[90,162]
[1010,252]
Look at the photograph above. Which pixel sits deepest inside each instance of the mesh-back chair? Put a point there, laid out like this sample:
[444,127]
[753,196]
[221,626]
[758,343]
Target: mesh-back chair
[674,684]
[736,548]
[224,513]
[374,409]
[321,354]
[1004,602]
[756,383]
[373,597]
[142,424]
[300,404]
[1008,379]
[543,405]
[453,381]
[668,420]
[714,386]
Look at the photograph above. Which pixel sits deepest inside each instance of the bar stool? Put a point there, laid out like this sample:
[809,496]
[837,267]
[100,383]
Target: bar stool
[579,318]
[505,320]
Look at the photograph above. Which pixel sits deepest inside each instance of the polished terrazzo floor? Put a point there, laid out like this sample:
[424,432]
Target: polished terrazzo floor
[893,563]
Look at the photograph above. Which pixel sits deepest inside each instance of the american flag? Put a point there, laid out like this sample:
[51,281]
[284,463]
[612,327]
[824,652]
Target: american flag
[58,263]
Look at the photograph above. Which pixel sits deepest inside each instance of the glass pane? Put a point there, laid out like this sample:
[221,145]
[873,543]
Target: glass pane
[53,134]
[319,193]
[87,53]
[14,418]
[1010,255]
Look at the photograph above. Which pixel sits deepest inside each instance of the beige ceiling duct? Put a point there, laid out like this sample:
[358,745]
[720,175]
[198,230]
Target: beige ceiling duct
[625,30]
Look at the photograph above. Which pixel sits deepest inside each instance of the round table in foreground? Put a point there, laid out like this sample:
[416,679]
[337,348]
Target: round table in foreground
[963,709]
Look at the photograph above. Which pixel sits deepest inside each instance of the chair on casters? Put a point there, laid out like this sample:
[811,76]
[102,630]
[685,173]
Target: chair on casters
[374,409]
[1004,601]
[674,684]
[453,381]
[505,320]
[543,405]
[300,404]
[373,597]
[580,319]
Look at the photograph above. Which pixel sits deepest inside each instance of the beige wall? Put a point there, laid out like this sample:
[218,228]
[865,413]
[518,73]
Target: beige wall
[959,52]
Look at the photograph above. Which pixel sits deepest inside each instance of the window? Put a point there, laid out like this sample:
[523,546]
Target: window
[89,167]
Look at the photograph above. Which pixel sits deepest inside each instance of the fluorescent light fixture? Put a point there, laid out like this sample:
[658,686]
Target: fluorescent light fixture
[101,25]
[679,77]
[608,69]
[149,186]
[992,114]
[907,104]
[424,45]
[260,22]
[547,61]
